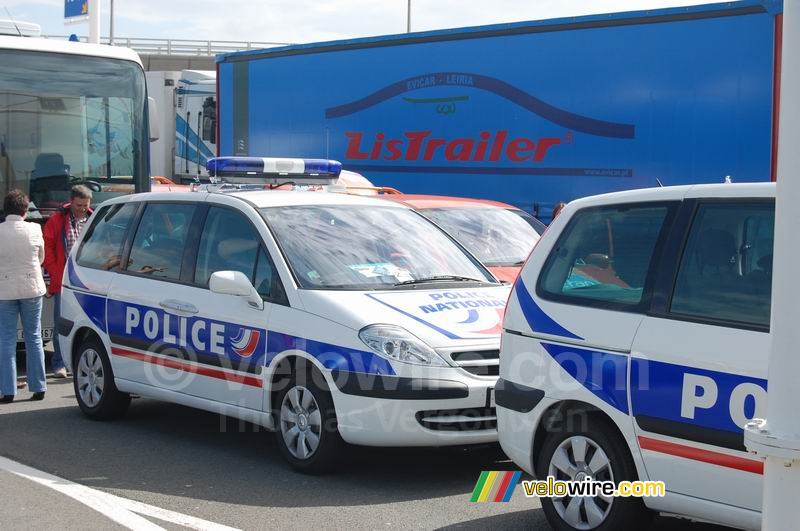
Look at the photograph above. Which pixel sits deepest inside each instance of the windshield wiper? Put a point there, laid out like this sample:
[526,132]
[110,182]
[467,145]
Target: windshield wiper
[440,278]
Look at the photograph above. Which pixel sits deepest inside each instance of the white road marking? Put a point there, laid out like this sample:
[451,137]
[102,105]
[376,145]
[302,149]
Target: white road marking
[171,516]
[121,510]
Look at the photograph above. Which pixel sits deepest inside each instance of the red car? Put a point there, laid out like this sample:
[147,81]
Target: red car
[499,235]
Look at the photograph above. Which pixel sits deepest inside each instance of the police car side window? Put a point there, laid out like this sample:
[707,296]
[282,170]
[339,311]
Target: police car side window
[726,269]
[102,245]
[228,243]
[160,239]
[266,279]
[603,257]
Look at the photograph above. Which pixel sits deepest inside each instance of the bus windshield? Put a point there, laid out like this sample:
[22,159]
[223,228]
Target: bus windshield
[71,119]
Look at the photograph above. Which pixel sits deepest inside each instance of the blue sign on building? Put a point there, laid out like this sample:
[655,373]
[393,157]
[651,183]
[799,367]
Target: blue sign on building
[76,8]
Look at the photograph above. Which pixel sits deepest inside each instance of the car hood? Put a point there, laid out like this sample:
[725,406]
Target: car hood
[443,318]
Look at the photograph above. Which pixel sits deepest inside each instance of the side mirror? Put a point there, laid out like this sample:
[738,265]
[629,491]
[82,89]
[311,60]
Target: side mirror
[235,283]
[152,118]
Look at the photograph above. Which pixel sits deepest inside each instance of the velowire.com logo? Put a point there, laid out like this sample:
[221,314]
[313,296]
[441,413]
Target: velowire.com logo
[494,486]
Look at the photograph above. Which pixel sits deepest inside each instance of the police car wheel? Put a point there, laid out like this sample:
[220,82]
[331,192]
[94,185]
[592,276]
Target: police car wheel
[307,433]
[93,379]
[599,453]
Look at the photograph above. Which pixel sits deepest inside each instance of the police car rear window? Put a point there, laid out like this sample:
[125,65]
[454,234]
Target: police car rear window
[726,268]
[604,255]
[158,246]
[102,245]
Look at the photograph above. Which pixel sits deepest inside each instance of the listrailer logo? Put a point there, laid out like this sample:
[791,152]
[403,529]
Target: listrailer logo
[480,142]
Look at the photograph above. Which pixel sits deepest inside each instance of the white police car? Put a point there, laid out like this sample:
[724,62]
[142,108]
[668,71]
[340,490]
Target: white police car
[327,317]
[635,347]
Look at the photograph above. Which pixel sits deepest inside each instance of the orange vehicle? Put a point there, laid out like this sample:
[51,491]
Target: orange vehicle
[499,235]
[159,183]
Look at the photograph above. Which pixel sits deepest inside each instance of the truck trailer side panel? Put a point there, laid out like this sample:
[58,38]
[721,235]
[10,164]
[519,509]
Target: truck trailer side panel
[531,113]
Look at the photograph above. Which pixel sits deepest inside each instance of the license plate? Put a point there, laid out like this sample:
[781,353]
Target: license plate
[491,398]
[47,335]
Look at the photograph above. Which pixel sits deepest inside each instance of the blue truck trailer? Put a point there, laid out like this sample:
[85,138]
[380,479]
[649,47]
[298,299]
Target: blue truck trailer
[529,113]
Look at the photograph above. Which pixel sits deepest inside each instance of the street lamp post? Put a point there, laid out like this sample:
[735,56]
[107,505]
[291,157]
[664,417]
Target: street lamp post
[111,22]
[94,21]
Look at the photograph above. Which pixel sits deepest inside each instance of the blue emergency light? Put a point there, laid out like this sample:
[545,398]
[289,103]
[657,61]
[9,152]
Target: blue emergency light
[258,170]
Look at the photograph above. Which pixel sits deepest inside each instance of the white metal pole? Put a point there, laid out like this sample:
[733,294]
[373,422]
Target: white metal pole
[778,437]
[94,21]
[111,22]
[408,18]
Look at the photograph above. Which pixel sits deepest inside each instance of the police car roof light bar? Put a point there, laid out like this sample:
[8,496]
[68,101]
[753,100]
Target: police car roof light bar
[259,170]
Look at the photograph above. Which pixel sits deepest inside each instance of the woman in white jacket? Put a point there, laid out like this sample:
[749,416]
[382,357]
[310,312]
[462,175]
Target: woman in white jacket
[21,291]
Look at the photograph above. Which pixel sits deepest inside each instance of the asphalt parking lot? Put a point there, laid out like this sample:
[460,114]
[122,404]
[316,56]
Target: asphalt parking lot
[203,466]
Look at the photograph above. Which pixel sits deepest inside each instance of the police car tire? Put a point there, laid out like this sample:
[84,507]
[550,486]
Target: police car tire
[113,403]
[625,513]
[331,446]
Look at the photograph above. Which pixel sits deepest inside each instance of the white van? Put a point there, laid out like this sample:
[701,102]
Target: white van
[635,347]
[327,317]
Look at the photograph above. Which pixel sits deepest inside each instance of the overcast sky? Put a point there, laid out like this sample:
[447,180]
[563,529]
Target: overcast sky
[298,21]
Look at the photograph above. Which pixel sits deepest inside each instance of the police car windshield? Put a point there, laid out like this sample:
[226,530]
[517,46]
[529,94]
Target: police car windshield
[366,247]
[496,236]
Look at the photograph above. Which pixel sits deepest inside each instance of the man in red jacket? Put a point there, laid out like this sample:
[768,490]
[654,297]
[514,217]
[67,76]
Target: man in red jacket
[60,234]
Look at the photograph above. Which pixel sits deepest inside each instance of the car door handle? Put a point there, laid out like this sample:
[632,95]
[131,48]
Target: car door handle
[178,306]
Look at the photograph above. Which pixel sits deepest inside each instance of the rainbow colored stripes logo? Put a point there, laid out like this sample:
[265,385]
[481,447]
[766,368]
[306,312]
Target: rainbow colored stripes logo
[495,486]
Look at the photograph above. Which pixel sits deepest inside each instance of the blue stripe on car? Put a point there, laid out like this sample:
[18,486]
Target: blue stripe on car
[332,357]
[94,306]
[602,373]
[537,319]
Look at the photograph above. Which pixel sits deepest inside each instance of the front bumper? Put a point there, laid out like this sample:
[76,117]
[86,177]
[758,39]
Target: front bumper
[394,411]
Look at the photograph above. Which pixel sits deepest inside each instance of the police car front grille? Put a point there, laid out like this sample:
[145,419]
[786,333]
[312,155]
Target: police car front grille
[483,370]
[474,419]
[478,362]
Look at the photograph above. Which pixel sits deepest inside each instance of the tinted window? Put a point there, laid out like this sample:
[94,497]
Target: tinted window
[229,243]
[604,254]
[726,268]
[102,245]
[160,239]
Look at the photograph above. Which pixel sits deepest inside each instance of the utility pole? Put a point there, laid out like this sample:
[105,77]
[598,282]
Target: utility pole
[408,18]
[111,23]
[778,436]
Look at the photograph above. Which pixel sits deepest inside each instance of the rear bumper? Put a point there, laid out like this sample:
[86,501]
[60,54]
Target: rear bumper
[517,397]
[519,412]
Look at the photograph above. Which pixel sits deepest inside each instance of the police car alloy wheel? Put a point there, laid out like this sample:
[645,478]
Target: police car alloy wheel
[93,379]
[307,433]
[597,452]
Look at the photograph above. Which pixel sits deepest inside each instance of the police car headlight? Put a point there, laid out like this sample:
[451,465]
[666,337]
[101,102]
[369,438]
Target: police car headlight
[399,344]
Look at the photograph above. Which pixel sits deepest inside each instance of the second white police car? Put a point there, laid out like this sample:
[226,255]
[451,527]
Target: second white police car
[635,347]
[327,317]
